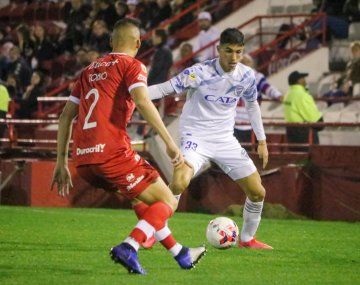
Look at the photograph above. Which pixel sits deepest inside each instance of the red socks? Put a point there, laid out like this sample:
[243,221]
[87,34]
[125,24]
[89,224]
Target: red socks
[153,219]
[140,209]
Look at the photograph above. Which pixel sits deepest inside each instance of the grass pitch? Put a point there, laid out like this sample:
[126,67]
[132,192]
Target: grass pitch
[70,246]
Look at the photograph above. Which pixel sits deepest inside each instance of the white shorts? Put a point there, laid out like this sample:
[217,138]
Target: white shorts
[227,154]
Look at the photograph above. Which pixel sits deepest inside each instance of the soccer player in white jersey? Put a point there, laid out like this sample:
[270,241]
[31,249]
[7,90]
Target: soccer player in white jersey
[214,88]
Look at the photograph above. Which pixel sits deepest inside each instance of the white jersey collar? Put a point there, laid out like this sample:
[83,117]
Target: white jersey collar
[220,70]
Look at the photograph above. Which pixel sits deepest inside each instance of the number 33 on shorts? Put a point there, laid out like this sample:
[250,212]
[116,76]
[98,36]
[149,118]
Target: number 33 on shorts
[189,145]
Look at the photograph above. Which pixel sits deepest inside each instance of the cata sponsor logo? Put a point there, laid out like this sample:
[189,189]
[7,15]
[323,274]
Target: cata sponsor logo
[220,99]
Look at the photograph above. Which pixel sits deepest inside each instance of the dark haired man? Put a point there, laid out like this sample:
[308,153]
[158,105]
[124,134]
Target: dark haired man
[214,88]
[103,100]
[300,107]
[162,59]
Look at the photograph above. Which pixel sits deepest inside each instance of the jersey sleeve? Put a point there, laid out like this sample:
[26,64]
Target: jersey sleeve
[250,93]
[188,78]
[264,87]
[76,92]
[136,75]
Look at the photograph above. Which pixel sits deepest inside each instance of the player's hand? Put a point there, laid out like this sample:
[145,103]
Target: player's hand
[263,153]
[62,179]
[175,154]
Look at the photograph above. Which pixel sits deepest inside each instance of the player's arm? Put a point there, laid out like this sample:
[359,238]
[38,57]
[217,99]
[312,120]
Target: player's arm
[188,78]
[269,90]
[161,90]
[61,176]
[253,110]
[151,115]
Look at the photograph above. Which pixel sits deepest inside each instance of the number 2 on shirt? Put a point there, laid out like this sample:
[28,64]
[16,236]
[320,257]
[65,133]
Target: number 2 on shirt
[90,125]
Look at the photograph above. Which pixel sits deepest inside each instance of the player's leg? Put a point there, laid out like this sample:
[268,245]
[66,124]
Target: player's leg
[255,194]
[125,255]
[196,153]
[140,208]
[235,162]
[161,207]
[181,179]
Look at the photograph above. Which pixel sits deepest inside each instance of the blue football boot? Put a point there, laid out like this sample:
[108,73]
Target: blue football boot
[189,257]
[126,255]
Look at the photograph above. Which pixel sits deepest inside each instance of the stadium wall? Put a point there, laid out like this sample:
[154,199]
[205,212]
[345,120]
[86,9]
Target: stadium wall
[31,187]
[326,187]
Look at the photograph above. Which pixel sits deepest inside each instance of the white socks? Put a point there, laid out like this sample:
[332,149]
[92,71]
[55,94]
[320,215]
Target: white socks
[175,250]
[252,217]
[132,242]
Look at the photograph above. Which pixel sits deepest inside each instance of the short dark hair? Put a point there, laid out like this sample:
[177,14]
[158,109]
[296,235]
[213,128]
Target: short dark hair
[126,22]
[162,34]
[232,36]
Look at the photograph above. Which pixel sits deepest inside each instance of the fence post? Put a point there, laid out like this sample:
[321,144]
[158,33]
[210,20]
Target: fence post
[12,138]
[324,29]
[260,31]
[311,136]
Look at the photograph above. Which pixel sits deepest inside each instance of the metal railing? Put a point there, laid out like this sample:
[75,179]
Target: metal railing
[14,141]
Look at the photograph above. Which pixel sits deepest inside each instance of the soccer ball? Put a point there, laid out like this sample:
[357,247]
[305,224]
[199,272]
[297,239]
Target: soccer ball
[222,232]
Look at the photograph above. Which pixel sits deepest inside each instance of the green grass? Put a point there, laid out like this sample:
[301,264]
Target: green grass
[70,246]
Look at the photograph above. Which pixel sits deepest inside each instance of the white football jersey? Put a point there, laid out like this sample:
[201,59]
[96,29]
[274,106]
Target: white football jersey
[212,97]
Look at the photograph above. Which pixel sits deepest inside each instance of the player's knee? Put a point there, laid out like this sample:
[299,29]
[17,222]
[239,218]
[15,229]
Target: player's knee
[172,202]
[257,194]
[178,186]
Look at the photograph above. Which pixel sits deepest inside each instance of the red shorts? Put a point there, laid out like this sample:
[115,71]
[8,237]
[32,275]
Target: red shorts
[128,175]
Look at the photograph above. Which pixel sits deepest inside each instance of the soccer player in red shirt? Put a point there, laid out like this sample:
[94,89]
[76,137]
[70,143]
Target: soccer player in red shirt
[103,100]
